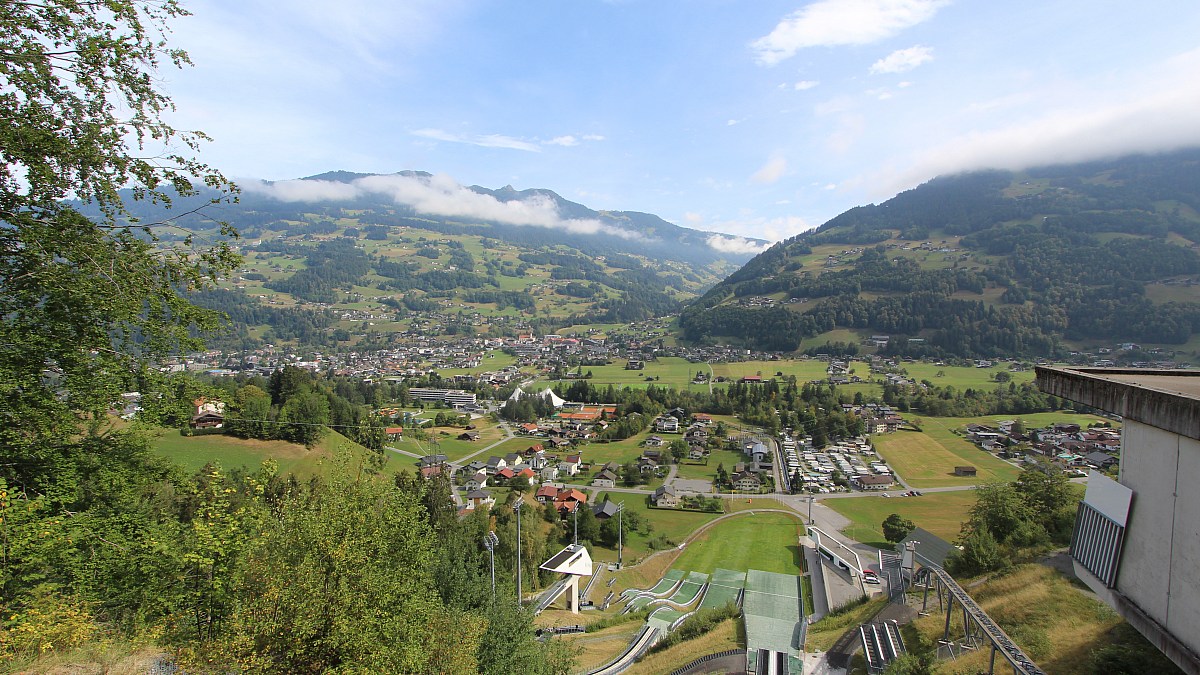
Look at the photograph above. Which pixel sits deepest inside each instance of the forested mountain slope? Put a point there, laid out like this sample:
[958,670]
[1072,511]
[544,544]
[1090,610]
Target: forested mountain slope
[985,263]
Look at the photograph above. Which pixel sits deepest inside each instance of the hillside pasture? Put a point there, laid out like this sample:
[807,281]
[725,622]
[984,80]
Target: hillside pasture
[193,452]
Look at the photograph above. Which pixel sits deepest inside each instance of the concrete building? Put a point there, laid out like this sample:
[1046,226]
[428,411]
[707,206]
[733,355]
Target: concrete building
[1137,539]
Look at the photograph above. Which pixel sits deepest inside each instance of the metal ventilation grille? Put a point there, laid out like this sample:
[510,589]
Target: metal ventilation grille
[1096,543]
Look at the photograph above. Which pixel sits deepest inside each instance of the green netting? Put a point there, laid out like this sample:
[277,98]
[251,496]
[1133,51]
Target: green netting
[773,611]
[662,618]
[687,592]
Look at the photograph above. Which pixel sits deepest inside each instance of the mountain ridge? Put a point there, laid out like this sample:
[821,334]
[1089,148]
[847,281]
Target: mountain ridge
[985,263]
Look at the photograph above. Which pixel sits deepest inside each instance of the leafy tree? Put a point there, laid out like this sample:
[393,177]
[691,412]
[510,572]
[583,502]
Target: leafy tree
[999,510]
[589,526]
[980,553]
[896,528]
[1046,490]
[249,415]
[303,418]
[86,303]
[342,578]
[679,450]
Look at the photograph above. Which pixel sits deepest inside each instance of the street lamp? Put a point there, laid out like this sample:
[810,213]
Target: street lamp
[517,508]
[811,499]
[489,542]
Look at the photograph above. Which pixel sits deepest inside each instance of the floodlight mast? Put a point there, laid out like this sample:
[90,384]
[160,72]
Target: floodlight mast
[620,535]
[517,508]
[489,542]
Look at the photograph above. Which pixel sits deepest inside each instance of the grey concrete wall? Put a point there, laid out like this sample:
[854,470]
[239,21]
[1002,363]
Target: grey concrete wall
[1183,613]
[1160,563]
[1149,462]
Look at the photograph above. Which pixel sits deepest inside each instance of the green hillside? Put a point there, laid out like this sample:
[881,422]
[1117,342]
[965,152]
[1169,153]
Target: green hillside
[985,264]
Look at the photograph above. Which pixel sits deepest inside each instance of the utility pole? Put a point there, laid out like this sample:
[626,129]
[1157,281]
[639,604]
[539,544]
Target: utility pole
[489,542]
[576,540]
[517,508]
[810,503]
[620,534]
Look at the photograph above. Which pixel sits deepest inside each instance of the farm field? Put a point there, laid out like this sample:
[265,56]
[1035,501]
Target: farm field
[668,371]
[762,541]
[927,458]
[193,452]
[941,513]
[961,377]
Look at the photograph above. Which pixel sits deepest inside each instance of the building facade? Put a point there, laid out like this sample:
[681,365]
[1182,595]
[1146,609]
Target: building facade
[1137,539]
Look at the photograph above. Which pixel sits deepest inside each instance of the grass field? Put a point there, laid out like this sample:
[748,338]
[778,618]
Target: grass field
[674,525]
[620,451]
[941,513]
[927,458]
[962,377]
[762,541]
[709,471]
[193,452]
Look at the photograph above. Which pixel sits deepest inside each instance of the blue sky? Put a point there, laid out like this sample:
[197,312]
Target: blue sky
[753,117]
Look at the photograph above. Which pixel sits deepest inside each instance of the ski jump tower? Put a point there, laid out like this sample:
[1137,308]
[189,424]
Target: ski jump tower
[576,563]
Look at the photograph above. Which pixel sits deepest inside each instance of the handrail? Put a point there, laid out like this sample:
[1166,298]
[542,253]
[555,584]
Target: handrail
[1021,663]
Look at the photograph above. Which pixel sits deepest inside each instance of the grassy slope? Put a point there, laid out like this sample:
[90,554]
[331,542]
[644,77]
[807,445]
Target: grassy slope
[1057,624]
[762,541]
[726,635]
[194,452]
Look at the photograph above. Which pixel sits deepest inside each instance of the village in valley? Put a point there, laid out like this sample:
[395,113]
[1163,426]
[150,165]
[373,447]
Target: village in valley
[634,486]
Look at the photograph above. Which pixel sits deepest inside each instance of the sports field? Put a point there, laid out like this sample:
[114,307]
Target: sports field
[942,513]
[763,541]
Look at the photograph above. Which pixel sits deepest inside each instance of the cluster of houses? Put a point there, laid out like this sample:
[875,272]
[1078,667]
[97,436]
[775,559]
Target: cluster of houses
[1064,443]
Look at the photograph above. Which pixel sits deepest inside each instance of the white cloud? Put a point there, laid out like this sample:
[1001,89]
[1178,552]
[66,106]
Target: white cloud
[438,195]
[828,23]
[902,60]
[732,123]
[502,141]
[804,85]
[485,140]
[740,233]
[728,244]
[1157,116]
[770,172]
